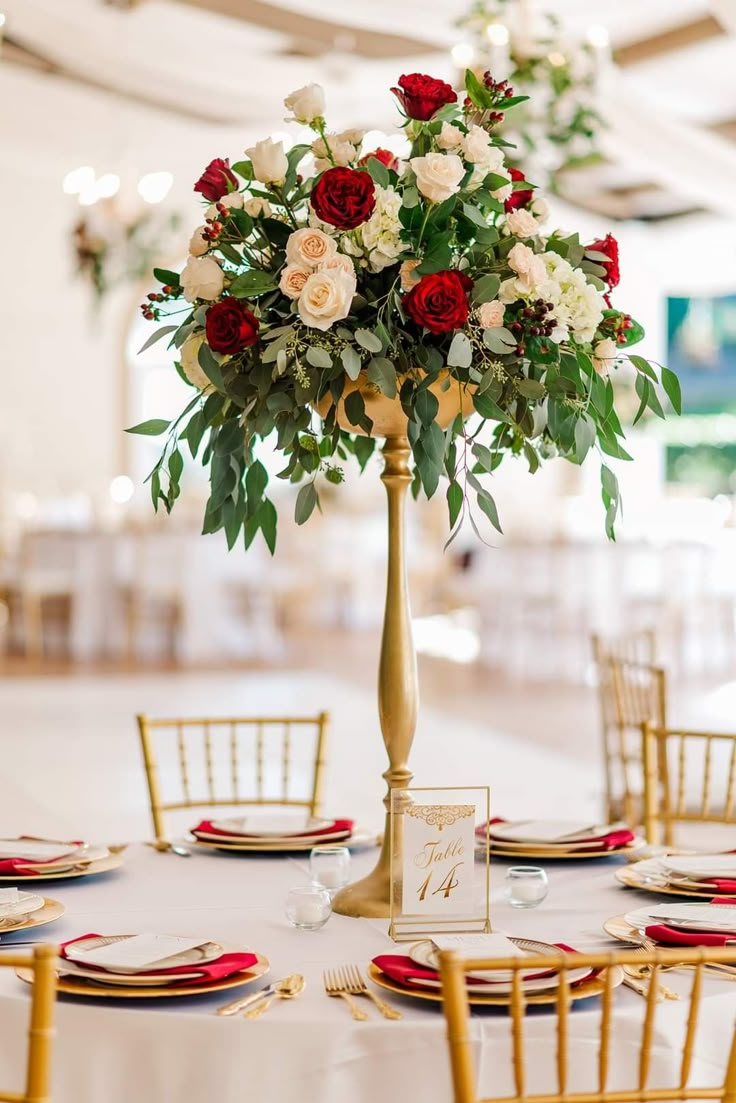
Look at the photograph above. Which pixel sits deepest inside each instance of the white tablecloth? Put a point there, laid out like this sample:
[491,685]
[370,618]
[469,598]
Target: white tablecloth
[310,1050]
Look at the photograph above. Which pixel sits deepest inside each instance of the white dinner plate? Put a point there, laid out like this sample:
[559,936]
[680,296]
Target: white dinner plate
[239,842]
[700,866]
[550,832]
[26,903]
[274,826]
[718,918]
[425,954]
[77,955]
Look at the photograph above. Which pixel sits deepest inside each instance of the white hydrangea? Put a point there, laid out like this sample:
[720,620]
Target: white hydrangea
[377,242]
[576,305]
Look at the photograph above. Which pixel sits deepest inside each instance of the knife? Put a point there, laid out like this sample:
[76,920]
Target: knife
[239,1005]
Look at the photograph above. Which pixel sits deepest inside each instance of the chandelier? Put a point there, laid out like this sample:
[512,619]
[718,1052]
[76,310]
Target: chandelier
[559,127]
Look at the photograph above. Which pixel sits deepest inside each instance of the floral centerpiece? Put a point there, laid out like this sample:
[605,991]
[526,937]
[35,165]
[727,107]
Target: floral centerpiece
[325,275]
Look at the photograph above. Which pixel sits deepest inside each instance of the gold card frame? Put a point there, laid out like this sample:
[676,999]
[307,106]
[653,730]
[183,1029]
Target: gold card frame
[404,926]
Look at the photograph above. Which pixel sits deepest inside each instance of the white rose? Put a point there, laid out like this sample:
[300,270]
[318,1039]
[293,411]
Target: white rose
[605,354]
[198,245]
[450,137]
[475,145]
[202,278]
[522,223]
[338,261]
[492,162]
[269,161]
[502,193]
[438,175]
[258,208]
[309,247]
[233,199]
[293,279]
[343,151]
[189,360]
[307,103]
[491,314]
[326,298]
[354,135]
[529,267]
[540,208]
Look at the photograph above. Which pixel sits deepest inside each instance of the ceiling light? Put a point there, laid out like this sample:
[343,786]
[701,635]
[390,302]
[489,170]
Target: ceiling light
[463,54]
[78,179]
[598,36]
[122,489]
[155,186]
[108,185]
[497,34]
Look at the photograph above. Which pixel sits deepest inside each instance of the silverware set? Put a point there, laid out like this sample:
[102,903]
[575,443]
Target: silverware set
[345,982]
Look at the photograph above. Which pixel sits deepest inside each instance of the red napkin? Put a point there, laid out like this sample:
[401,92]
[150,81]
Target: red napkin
[615,840]
[338,827]
[721,885]
[222,967]
[406,972]
[25,866]
[669,936]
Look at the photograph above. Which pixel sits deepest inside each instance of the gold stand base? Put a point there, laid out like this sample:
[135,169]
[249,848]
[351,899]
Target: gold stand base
[368,897]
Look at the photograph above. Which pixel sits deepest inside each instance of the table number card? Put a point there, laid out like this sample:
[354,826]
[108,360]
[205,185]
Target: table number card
[436,883]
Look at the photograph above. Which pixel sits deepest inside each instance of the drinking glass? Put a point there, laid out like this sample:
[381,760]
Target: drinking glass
[308,907]
[526,886]
[329,866]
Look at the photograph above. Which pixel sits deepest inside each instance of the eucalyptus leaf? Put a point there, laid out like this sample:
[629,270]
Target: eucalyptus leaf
[460,354]
[486,288]
[153,428]
[318,357]
[156,337]
[368,340]
[383,373]
[499,340]
[351,362]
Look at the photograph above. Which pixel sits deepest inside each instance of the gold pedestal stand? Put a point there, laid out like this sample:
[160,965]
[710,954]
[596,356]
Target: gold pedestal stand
[398,688]
[398,685]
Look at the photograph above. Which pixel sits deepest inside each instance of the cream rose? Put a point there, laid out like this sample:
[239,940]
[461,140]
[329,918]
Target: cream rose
[438,175]
[491,314]
[502,193]
[406,274]
[342,149]
[198,245]
[450,137]
[605,354]
[309,247]
[540,208]
[189,360]
[306,104]
[522,223]
[475,145]
[233,200]
[326,298]
[269,161]
[292,281]
[258,207]
[202,278]
[529,267]
[338,261]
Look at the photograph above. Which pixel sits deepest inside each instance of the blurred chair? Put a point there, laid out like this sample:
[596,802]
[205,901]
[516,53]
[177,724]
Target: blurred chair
[207,759]
[48,572]
[564,1076]
[631,690]
[42,966]
[689,777]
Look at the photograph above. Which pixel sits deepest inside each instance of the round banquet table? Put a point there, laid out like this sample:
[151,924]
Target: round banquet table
[310,1050]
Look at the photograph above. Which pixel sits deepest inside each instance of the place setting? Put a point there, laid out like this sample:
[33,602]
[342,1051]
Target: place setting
[278,832]
[694,875]
[20,910]
[34,859]
[151,966]
[556,840]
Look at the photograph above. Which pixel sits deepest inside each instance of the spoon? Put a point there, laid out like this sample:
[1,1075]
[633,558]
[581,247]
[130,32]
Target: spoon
[287,989]
[164,847]
[241,1004]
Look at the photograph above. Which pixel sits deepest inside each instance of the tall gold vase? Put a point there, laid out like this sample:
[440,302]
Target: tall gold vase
[398,684]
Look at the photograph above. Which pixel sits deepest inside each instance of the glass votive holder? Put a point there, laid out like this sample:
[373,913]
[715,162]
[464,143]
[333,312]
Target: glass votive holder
[329,866]
[308,907]
[526,886]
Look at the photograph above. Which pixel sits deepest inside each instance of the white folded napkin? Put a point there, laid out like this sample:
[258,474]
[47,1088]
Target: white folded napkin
[35,850]
[139,952]
[695,917]
[550,831]
[701,865]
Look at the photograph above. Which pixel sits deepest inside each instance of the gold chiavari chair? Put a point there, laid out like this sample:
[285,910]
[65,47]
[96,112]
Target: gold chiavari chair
[41,1026]
[457,1015]
[672,758]
[631,689]
[233,762]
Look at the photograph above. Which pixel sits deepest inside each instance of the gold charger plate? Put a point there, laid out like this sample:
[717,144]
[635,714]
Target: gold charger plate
[279,848]
[102,865]
[618,928]
[50,911]
[581,991]
[628,877]
[562,855]
[71,987]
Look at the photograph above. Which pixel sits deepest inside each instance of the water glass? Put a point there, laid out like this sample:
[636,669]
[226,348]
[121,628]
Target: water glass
[329,866]
[308,907]
[526,886]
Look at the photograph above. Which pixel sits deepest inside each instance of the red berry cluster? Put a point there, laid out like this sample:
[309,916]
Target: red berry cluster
[500,90]
[616,325]
[529,320]
[213,229]
[152,313]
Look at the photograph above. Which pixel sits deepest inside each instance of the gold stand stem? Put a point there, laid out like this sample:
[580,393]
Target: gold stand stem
[398,688]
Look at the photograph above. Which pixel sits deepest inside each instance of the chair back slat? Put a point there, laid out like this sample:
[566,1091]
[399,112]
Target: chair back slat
[41,1028]
[226,762]
[453,970]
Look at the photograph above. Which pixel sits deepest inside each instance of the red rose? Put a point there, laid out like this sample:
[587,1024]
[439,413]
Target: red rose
[609,246]
[215,180]
[422,96]
[439,302]
[520,198]
[230,326]
[344,197]
[385,156]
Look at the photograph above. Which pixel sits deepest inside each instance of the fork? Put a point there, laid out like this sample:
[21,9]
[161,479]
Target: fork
[355,984]
[334,986]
